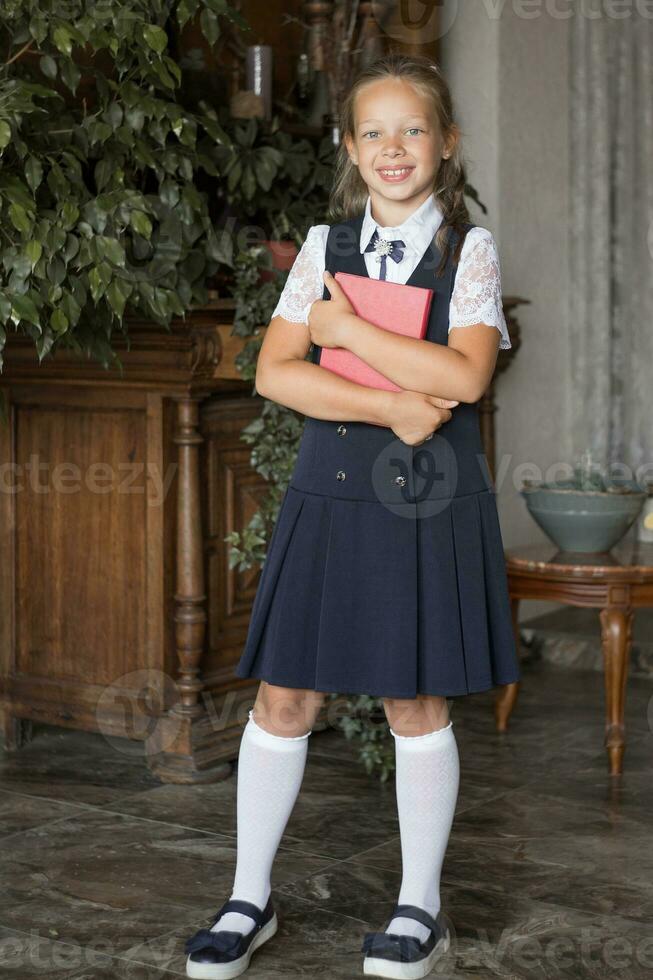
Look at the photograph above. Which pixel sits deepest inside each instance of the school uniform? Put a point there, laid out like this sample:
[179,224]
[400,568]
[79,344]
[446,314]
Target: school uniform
[385,571]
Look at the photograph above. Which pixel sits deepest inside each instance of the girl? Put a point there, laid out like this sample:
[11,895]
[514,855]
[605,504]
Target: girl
[385,571]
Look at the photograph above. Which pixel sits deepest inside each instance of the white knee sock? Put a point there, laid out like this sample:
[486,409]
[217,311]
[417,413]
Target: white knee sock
[427,778]
[270,772]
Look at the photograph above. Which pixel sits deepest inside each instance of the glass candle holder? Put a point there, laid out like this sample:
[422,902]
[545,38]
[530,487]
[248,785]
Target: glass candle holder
[258,74]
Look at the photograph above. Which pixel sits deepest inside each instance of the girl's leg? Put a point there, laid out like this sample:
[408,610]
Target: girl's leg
[271,764]
[427,778]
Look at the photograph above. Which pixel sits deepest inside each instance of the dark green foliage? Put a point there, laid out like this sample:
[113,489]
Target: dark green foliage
[99,206]
[274,179]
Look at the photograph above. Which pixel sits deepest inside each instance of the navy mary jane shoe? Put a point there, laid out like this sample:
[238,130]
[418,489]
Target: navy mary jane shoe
[225,954]
[390,955]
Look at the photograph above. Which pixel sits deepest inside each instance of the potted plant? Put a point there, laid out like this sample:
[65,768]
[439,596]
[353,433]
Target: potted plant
[274,187]
[587,513]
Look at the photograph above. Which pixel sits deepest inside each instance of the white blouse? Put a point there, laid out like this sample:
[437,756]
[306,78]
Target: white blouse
[476,296]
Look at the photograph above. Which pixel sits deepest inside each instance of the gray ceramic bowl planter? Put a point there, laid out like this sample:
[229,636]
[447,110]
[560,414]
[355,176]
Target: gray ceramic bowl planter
[587,521]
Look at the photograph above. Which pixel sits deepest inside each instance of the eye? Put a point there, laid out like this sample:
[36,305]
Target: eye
[371,132]
[415,129]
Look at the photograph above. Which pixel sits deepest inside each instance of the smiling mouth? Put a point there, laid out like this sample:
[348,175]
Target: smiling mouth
[395,171]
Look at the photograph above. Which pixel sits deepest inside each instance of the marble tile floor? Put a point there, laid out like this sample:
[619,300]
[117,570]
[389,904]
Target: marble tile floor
[548,874]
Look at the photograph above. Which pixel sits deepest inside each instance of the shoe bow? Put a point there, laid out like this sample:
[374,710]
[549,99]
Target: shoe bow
[222,941]
[390,945]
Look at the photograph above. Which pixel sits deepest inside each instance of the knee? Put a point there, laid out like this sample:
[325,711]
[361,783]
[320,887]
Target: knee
[286,711]
[416,716]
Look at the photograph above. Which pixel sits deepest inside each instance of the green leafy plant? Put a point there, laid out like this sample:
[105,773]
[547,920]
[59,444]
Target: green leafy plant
[277,181]
[364,722]
[588,475]
[99,207]
[275,433]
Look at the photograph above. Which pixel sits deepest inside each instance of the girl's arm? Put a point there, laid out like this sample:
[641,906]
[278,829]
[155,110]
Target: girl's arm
[462,369]
[282,373]
[283,376]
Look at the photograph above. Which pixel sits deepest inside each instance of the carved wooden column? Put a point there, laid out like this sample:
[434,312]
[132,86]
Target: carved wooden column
[190,596]
[372,40]
[179,750]
[318,15]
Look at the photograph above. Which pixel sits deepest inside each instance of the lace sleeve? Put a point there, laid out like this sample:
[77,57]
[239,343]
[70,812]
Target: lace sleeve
[477,292]
[304,283]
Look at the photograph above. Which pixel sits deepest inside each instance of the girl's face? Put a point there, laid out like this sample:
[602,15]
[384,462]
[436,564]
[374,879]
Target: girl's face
[397,145]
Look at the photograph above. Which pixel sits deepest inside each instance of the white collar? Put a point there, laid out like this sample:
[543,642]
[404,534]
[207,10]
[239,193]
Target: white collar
[416,231]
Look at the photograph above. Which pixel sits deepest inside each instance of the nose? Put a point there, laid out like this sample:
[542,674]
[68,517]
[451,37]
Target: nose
[393,149]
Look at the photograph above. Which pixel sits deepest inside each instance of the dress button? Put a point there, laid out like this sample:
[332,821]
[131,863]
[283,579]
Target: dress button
[342,429]
[340,475]
[400,481]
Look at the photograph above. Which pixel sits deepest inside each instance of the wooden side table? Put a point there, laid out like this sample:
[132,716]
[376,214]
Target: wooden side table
[616,583]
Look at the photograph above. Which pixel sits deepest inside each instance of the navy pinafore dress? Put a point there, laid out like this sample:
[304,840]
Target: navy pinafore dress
[385,571]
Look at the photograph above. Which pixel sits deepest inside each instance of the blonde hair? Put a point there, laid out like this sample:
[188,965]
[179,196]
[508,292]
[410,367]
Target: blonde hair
[349,192]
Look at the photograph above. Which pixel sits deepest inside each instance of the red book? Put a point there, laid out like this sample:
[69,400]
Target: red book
[390,305]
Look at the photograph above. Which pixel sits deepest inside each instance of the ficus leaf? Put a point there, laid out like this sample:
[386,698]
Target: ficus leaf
[19,218]
[48,66]
[59,321]
[33,172]
[63,40]
[156,38]
[24,308]
[141,223]
[118,293]
[210,26]
[33,251]
[44,343]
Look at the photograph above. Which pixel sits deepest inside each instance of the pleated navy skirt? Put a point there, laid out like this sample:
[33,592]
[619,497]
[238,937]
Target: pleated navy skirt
[357,596]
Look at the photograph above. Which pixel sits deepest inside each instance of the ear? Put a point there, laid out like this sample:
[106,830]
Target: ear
[451,141]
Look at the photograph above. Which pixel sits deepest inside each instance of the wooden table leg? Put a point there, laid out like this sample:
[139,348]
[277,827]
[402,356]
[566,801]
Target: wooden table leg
[616,637]
[507,696]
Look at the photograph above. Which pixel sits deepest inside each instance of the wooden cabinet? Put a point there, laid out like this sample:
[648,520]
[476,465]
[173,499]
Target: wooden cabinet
[118,611]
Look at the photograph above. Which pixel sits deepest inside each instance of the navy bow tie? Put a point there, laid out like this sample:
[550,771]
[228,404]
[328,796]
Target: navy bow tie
[383,248]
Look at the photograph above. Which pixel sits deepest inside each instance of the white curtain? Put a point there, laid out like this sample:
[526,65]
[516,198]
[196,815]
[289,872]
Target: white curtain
[611,315]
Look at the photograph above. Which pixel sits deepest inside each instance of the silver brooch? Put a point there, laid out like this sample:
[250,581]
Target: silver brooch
[382,247]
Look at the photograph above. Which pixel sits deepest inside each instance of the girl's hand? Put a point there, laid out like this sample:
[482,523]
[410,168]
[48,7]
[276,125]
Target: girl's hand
[414,416]
[329,319]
